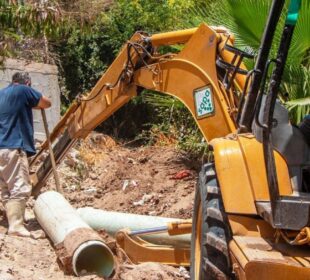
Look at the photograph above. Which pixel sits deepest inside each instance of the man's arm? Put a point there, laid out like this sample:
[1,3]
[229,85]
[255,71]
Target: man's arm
[44,103]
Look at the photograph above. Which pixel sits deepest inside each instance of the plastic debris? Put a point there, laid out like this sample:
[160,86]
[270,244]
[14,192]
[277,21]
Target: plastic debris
[184,272]
[90,191]
[181,174]
[143,200]
[128,183]
[138,203]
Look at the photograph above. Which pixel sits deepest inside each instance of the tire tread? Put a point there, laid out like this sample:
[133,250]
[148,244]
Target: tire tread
[215,259]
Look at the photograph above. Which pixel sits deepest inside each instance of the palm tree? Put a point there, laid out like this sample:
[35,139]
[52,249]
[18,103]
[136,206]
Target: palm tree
[246,19]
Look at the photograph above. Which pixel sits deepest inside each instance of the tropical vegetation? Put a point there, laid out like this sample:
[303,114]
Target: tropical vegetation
[83,38]
[19,21]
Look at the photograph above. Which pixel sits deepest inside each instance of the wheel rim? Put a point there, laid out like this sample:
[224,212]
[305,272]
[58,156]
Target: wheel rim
[198,243]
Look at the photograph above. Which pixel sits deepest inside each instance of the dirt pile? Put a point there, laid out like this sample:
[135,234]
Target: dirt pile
[152,271]
[145,180]
[101,174]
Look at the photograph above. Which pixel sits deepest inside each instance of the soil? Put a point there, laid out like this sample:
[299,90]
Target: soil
[149,180]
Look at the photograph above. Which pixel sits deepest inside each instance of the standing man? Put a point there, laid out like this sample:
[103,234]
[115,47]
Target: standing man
[16,143]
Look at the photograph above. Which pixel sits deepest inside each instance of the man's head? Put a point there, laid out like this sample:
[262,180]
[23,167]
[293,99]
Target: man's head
[21,78]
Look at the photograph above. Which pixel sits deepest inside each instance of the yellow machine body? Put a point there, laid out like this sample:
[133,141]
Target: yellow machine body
[241,173]
[256,254]
[239,158]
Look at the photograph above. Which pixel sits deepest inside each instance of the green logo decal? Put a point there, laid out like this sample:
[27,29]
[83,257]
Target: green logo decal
[204,102]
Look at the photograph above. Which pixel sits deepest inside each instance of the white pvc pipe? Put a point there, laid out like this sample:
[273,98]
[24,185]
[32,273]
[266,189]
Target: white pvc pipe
[112,222]
[60,221]
[93,256]
[57,216]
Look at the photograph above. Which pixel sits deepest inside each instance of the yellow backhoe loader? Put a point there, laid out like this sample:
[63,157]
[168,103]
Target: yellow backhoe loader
[251,211]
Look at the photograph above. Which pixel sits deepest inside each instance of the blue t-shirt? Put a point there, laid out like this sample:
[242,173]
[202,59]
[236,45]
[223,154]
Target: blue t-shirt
[16,120]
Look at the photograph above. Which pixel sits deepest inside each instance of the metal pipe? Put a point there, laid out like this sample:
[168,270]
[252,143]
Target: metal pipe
[149,231]
[112,222]
[79,248]
[248,111]
[272,94]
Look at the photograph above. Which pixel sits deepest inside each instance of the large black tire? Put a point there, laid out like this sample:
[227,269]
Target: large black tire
[211,233]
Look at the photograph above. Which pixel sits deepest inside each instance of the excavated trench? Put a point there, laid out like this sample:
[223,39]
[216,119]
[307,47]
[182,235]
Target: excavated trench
[102,174]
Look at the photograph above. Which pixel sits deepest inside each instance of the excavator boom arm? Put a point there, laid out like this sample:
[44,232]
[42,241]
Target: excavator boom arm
[190,75]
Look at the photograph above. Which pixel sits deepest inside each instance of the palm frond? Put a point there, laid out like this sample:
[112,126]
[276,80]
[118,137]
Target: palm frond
[301,39]
[299,102]
[296,81]
[299,108]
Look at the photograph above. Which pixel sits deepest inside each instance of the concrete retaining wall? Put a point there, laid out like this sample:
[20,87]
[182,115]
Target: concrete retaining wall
[44,78]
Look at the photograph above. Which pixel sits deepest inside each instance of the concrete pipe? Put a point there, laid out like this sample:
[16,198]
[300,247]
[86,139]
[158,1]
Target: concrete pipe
[112,222]
[80,249]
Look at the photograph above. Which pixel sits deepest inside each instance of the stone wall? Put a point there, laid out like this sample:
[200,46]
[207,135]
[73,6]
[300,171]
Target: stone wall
[44,78]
